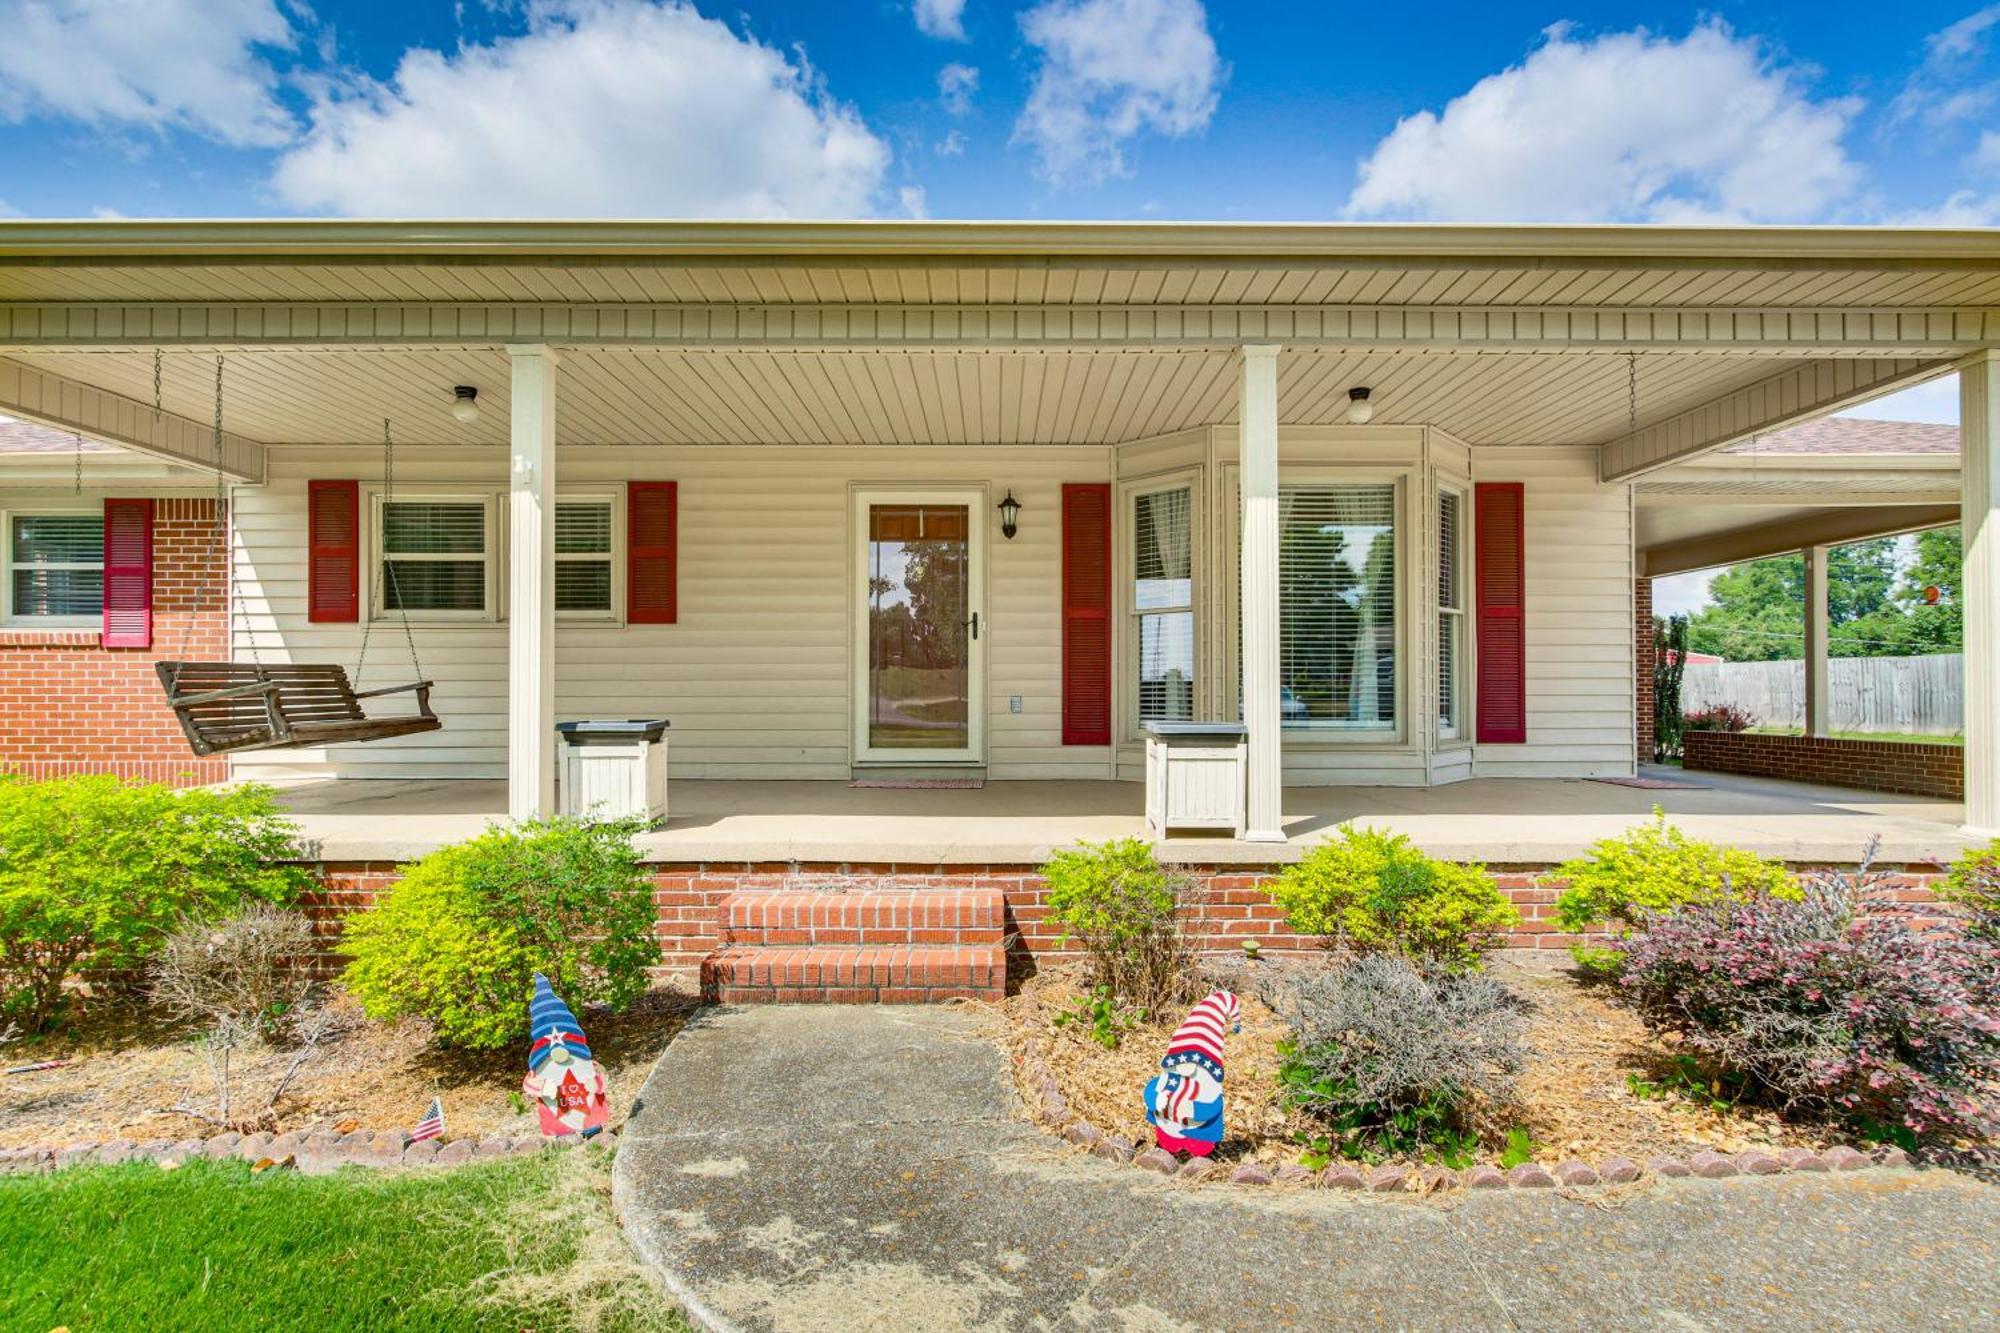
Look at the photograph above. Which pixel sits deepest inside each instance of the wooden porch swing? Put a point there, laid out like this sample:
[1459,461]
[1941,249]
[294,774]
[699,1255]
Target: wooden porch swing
[225,706]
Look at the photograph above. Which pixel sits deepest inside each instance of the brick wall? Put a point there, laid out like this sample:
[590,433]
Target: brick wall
[1643,664]
[1235,905]
[1909,768]
[69,705]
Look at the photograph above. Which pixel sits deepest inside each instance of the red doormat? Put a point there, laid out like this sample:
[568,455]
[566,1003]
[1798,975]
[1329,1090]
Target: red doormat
[1650,784]
[919,784]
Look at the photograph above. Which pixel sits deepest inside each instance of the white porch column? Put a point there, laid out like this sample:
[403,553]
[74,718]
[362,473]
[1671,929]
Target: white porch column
[1979,514]
[1818,621]
[1258,561]
[531,608]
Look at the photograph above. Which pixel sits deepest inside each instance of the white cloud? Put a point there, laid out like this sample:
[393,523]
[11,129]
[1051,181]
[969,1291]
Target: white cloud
[602,108]
[956,85]
[1626,126]
[952,145]
[1966,208]
[1111,70]
[157,65]
[943,19]
[1946,88]
[912,202]
[1986,156]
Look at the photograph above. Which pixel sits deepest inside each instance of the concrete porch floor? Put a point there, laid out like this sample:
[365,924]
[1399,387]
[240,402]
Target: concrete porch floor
[1498,821]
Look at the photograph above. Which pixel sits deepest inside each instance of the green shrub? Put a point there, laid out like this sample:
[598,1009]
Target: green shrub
[1372,891]
[459,938]
[1655,867]
[95,873]
[1974,884]
[1130,916]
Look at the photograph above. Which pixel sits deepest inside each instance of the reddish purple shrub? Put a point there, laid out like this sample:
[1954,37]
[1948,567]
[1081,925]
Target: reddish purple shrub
[1719,717]
[1830,1005]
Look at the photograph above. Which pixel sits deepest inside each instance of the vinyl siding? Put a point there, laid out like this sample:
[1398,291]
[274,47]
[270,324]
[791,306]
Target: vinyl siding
[755,675]
[1579,615]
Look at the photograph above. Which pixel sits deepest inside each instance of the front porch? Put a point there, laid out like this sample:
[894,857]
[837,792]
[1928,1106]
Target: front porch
[1500,821]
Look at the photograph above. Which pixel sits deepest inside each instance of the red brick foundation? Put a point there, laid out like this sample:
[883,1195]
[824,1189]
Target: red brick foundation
[70,705]
[1908,768]
[689,900]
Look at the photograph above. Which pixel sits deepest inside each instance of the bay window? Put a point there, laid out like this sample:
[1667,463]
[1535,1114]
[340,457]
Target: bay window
[1162,603]
[1337,607]
[1451,614]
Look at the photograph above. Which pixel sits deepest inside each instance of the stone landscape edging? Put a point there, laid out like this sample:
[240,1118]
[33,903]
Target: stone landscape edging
[312,1154]
[1052,1111]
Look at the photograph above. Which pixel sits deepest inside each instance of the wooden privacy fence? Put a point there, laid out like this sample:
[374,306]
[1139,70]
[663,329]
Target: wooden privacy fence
[1919,696]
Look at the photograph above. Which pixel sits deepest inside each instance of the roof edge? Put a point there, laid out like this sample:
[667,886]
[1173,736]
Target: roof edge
[291,237]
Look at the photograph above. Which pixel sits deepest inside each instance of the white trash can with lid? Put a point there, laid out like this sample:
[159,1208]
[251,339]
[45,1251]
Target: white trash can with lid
[614,769]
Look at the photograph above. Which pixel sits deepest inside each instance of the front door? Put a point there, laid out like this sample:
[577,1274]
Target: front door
[920,628]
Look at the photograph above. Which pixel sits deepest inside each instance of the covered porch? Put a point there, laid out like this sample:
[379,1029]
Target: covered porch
[1500,821]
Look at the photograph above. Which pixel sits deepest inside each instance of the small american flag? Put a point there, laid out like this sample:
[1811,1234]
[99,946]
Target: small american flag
[432,1125]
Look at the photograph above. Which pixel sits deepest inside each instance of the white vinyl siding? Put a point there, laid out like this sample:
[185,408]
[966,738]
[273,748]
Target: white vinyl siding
[1579,617]
[755,676]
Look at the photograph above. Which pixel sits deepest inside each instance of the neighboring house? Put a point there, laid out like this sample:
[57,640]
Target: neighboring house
[1398,489]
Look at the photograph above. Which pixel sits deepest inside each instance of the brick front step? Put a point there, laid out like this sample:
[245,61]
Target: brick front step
[856,974]
[863,916]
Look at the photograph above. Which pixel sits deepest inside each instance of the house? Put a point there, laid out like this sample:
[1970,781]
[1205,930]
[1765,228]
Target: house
[935,505]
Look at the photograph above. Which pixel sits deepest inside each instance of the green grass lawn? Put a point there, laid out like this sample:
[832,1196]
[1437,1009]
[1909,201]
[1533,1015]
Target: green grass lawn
[1905,737]
[522,1244]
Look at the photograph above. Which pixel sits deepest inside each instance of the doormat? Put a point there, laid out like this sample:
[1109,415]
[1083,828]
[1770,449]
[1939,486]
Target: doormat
[1650,784]
[919,784]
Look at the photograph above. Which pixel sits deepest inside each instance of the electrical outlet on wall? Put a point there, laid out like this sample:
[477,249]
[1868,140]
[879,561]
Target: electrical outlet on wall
[1013,703]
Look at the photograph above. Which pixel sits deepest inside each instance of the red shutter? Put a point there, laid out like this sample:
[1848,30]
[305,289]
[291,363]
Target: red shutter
[1086,613]
[128,574]
[1500,603]
[333,551]
[652,561]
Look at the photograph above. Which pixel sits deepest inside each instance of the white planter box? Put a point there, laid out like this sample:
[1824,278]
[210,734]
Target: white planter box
[1194,776]
[614,770]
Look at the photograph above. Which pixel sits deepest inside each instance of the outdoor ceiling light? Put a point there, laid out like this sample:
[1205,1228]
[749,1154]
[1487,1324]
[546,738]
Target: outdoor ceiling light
[466,404]
[1010,516]
[1359,410]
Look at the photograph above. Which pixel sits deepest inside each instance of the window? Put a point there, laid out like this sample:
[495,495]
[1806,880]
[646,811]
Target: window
[55,568]
[1337,606]
[1451,613]
[1163,603]
[584,582]
[436,558]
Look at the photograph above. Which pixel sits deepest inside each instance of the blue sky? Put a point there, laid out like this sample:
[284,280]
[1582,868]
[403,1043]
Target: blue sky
[985,108]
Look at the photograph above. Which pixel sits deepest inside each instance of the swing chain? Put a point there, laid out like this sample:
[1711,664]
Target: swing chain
[389,567]
[1631,393]
[217,556]
[76,485]
[156,383]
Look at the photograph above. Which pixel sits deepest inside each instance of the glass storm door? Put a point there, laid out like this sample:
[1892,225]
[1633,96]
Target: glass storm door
[919,669]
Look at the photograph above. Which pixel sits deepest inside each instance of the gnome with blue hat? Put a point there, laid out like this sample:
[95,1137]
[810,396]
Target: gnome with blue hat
[567,1085]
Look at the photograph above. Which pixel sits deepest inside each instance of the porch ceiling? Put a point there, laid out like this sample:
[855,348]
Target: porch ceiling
[640,396]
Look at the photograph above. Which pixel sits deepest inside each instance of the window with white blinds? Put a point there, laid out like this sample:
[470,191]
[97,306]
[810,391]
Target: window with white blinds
[1451,613]
[1337,667]
[1163,602]
[436,557]
[55,567]
[583,558]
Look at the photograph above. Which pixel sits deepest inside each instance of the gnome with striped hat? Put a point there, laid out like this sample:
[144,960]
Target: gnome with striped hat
[1184,1100]
[568,1087]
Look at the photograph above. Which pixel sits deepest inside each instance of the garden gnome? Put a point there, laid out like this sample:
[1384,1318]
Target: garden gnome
[565,1082]
[1184,1100]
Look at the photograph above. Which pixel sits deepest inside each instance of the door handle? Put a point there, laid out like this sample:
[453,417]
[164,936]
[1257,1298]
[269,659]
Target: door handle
[973,625]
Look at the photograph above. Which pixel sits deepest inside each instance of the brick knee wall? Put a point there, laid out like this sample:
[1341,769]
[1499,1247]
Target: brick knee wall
[1642,665]
[1235,903]
[1907,768]
[70,705]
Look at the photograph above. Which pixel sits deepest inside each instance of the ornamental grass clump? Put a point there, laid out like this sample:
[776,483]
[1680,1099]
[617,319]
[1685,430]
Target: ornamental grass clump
[1392,1060]
[460,937]
[1371,891]
[1828,1004]
[1653,868]
[1133,919]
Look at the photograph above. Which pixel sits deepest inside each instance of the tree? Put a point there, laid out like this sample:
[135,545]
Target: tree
[1757,610]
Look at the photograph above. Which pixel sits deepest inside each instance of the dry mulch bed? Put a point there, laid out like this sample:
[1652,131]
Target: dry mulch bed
[126,1074]
[1573,1097]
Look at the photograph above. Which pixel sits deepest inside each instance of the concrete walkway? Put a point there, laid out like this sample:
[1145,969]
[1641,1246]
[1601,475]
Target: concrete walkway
[862,1168]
